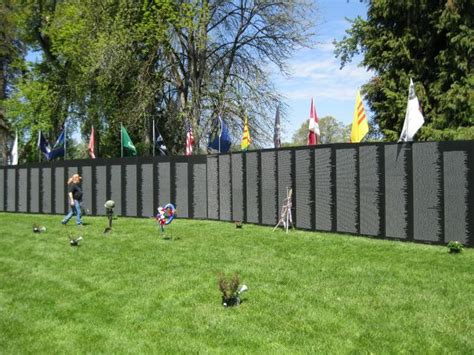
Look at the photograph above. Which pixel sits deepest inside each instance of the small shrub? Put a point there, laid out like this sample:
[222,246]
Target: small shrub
[229,288]
[455,246]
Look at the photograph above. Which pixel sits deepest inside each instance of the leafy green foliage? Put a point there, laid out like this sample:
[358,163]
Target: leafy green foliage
[332,131]
[455,246]
[428,41]
[105,63]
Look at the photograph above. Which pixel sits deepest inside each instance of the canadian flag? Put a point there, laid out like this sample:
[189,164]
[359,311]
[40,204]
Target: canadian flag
[314,133]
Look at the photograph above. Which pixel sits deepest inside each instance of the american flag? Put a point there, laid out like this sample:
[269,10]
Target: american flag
[189,138]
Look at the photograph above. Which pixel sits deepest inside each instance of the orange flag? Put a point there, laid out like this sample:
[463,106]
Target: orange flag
[91,144]
[360,125]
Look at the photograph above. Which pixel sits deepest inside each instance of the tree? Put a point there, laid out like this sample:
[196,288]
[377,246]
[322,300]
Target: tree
[429,41]
[104,63]
[11,51]
[332,131]
[219,60]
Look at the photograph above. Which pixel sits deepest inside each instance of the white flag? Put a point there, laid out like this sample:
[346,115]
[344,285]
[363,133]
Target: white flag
[413,117]
[15,150]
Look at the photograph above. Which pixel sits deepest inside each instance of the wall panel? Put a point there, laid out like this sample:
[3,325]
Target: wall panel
[100,189]
[347,190]
[116,187]
[2,189]
[253,188]
[11,188]
[131,200]
[199,191]
[269,188]
[46,189]
[164,183]
[396,191]
[22,190]
[371,194]
[225,188]
[59,190]
[34,190]
[212,187]
[87,188]
[456,196]
[324,167]
[427,192]
[146,189]
[285,178]
[304,186]
[182,189]
[237,187]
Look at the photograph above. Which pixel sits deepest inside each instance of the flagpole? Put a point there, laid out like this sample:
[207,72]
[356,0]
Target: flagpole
[154,139]
[93,145]
[121,140]
[220,134]
[65,151]
[39,150]
[408,101]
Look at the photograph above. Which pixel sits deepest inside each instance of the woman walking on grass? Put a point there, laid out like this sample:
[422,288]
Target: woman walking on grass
[74,193]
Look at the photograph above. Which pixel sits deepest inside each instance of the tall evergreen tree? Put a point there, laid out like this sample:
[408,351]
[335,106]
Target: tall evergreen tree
[428,41]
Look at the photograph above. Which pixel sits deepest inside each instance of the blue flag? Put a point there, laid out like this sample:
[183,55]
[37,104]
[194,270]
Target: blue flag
[58,148]
[43,145]
[219,139]
[56,151]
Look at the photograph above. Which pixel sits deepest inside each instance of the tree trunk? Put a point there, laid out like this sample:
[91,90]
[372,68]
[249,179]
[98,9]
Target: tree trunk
[3,122]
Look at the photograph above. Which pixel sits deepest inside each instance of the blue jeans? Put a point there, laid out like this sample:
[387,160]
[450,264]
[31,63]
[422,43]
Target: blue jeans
[74,210]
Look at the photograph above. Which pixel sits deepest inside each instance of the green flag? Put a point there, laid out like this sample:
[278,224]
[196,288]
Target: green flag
[127,145]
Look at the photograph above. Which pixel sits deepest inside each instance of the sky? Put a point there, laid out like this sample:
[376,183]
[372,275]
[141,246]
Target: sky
[316,73]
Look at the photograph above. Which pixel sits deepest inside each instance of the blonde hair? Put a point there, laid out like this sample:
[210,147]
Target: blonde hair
[72,178]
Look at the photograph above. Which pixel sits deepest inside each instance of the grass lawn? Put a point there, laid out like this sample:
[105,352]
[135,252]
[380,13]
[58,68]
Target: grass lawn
[132,290]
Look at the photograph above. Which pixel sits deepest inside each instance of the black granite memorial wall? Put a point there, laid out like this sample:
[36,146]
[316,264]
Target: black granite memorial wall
[422,192]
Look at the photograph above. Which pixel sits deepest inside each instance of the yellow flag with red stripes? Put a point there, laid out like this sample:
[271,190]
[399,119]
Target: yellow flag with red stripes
[246,136]
[360,125]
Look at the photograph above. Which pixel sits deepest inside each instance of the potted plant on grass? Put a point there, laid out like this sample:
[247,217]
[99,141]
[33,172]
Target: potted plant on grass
[455,247]
[230,290]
